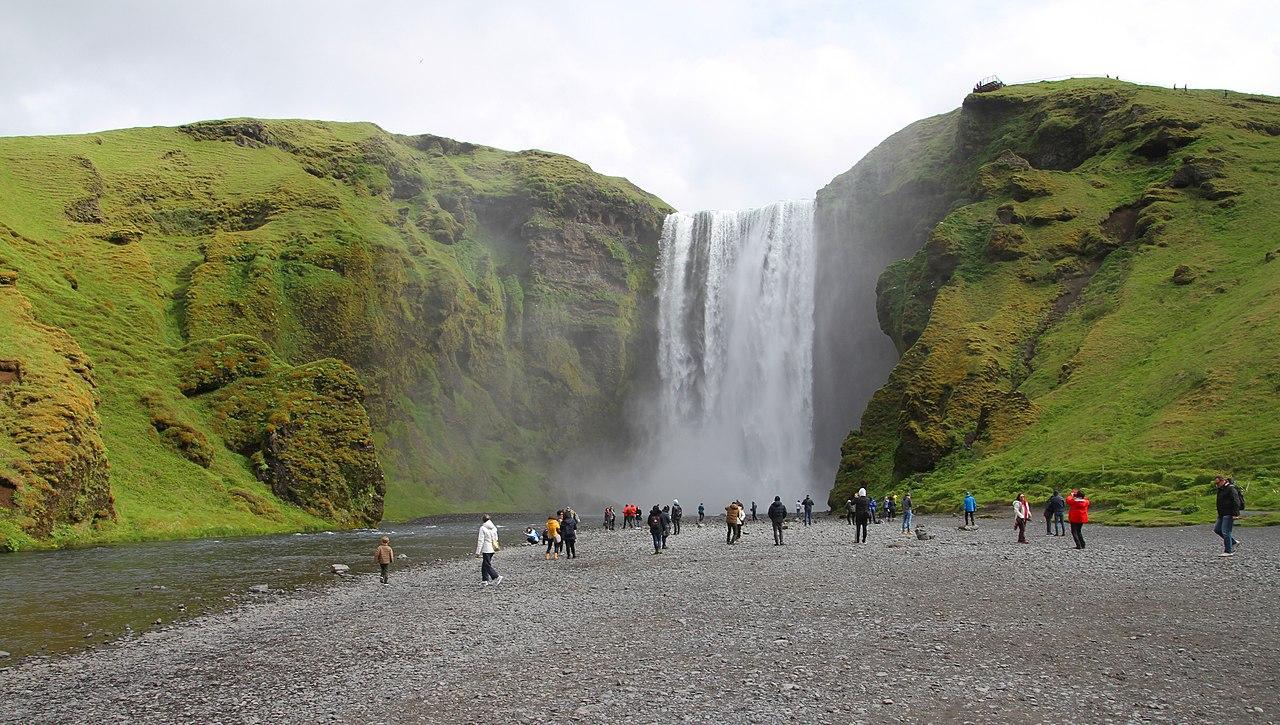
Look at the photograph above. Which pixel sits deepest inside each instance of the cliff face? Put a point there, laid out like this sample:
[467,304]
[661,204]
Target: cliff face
[1091,301]
[296,324]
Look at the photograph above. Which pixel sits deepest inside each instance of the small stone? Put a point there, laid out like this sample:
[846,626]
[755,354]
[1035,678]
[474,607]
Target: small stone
[259,589]
[339,568]
[4,655]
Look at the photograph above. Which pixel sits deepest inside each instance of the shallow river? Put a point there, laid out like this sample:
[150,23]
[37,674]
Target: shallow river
[57,601]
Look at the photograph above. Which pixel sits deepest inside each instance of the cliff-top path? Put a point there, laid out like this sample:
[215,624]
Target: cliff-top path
[1145,625]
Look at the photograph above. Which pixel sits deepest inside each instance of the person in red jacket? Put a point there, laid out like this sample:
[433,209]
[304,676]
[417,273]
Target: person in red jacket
[1077,515]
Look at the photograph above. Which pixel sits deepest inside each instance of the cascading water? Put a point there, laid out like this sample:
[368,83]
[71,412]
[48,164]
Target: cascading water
[735,354]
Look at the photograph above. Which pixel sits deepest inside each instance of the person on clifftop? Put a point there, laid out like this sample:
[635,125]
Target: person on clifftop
[777,514]
[1077,515]
[655,528]
[970,509]
[383,557]
[1230,503]
[861,515]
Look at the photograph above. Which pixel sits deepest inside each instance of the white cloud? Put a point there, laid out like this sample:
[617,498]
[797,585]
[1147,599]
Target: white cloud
[709,104]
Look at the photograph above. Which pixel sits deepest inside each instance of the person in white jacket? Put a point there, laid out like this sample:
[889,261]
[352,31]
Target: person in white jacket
[1021,515]
[486,547]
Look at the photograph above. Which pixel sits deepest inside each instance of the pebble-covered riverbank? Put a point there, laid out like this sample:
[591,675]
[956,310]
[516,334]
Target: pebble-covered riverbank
[1145,625]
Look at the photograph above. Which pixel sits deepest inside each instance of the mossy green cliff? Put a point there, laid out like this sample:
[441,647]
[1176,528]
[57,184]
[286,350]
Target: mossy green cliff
[1094,301]
[244,325]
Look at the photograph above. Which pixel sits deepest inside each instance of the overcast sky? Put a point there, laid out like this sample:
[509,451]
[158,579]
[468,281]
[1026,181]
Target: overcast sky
[707,104]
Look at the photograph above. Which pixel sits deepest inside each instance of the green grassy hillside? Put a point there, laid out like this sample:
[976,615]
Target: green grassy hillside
[1099,306]
[250,326]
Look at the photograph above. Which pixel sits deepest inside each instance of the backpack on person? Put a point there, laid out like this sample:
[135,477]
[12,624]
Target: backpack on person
[1239,496]
[655,521]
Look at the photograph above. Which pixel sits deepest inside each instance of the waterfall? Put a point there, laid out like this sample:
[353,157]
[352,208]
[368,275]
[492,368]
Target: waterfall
[735,354]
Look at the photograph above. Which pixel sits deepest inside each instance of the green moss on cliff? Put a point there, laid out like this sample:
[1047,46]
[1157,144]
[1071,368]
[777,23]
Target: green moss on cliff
[1046,342]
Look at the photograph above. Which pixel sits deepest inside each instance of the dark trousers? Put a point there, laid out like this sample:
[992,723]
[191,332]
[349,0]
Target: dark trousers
[737,532]
[753,514]
[860,533]
[657,540]
[570,548]
[848,516]
[1077,533]
[551,542]
[808,517]
[701,517]
[777,533]
[1048,524]
[385,569]
[970,519]
[1021,526]
[487,571]
[1223,528]
[1059,525]
[675,526]
[874,518]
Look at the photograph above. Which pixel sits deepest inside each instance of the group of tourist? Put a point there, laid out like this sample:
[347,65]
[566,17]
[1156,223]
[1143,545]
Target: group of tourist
[560,534]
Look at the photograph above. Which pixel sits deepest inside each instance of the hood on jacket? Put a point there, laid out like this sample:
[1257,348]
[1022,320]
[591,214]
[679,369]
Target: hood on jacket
[862,492]
[490,526]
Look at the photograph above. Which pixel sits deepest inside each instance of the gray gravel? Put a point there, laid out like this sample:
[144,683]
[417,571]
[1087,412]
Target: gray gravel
[1146,625]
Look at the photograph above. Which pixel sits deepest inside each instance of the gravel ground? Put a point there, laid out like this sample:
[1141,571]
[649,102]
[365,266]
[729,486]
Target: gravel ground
[1145,625]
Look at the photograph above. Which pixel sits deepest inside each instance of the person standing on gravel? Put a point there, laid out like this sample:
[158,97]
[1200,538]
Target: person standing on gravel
[808,510]
[384,555]
[861,515]
[666,525]
[1077,515]
[702,513]
[970,509]
[655,528]
[742,519]
[906,513]
[553,537]
[1230,503]
[874,518]
[1021,515]
[731,521]
[753,511]
[569,532]
[777,514]
[1057,504]
[677,513]
[890,507]
[848,511]
[486,547]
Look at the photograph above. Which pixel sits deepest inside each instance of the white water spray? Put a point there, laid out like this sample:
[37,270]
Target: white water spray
[735,355]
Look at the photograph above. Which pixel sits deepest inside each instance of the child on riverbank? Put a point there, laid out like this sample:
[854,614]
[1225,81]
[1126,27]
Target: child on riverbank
[384,556]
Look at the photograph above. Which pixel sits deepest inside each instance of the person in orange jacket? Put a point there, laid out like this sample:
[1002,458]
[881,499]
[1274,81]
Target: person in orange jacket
[553,538]
[1077,515]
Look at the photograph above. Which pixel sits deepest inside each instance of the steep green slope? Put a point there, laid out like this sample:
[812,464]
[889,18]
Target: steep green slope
[248,325]
[1098,307]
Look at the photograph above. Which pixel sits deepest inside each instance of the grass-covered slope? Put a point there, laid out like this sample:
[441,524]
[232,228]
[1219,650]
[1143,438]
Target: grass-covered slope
[1099,307]
[244,325]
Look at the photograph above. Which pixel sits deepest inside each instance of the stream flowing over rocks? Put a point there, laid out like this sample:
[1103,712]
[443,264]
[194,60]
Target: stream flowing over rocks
[1144,626]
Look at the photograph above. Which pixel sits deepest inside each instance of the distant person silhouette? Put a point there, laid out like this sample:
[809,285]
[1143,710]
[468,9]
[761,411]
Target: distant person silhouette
[655,528]
[777,514]
[861,516]
[702,512]
[677,513]
[753,510]
[970,509]
[808,510]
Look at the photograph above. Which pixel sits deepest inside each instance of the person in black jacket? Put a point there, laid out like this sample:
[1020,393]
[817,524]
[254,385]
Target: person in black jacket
[861,515]
[777,514]
[753,510]
[655,528]
[848,511]
[808,510]
[1053,515]
[677,513]
[1230,503]
[569,533]
[666,525]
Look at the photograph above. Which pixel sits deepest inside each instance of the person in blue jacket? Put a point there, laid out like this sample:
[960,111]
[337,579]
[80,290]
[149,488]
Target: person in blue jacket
[970,508]
[874,519]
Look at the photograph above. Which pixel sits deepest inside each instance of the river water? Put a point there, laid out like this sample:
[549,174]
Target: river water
[59,601]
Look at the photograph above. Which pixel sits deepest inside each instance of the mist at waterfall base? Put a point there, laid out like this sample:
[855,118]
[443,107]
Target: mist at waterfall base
[730,414]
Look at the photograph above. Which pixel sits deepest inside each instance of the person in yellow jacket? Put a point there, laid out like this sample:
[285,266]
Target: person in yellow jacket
[553,538]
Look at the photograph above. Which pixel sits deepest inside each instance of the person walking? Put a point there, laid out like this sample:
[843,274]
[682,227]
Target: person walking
[848,511]
[1230,503]
[808,510]
[777,514]
[569,532]
[383,556]
[1057,505]
[677,513]
[753,511]
[1021,515]
[702,512]
[1077,515]
[861,515]
[486,547]
[552,536]
[970,509]
[906,513]
[731,521]
[666,525]
[655,528]
[874,518]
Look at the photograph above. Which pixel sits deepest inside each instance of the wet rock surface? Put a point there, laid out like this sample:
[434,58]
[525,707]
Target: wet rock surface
[1143,626]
